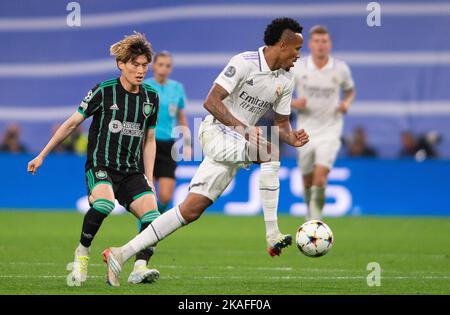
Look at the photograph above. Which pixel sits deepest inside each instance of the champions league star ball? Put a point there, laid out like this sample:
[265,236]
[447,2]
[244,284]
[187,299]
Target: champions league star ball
[314,238]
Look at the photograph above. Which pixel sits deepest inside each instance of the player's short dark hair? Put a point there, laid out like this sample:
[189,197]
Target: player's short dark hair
[131,47]
[275,29]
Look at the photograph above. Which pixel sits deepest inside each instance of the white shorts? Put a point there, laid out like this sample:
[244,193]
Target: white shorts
[226,151]
[318,152]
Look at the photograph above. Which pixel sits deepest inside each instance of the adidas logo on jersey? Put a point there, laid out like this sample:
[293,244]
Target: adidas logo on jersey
[114,107]
[249,82]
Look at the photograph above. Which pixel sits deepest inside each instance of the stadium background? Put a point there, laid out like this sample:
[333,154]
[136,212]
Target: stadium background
[401,70]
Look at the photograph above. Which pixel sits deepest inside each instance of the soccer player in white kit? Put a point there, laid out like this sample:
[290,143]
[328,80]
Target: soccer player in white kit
[252,83]
[319,80]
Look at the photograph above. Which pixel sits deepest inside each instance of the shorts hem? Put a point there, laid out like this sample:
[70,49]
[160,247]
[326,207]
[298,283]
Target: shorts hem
[148,192]
[203,194]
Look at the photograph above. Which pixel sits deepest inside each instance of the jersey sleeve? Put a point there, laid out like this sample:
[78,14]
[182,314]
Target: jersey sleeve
[233,74]
[283,106]
[92,102]
[347,79]
[296,71]
[154,116]
[182,99]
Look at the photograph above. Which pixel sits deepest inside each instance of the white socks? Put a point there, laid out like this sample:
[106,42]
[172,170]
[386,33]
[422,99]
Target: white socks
[164,225]
[139,263]
[82,251]
[269,186]
[317,202]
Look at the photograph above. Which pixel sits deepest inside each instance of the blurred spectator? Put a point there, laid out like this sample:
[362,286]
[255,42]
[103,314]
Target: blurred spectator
[75,143]
[11,140]
[357,144]
[421,148]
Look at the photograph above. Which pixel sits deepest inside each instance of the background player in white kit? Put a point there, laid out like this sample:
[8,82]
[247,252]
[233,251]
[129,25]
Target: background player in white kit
[319,80]
[251,83]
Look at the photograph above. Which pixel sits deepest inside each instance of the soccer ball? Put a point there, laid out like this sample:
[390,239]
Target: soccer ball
[314,238]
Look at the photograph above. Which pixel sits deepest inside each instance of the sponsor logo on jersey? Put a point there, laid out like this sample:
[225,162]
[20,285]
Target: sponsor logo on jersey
[101,174]
[114,107]
[83,106]
[231,71]
[253,104]
[126,128]
[132,129]
[249,82]
[115,126]
[147,109]
[319,92]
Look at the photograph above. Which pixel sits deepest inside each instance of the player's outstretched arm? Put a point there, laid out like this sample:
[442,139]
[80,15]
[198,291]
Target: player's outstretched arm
[294,138]
[215,106]
[149,155]
[62,133]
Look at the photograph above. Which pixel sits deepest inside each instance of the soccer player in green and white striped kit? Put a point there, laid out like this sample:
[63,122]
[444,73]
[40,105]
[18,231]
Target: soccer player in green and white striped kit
[121,150]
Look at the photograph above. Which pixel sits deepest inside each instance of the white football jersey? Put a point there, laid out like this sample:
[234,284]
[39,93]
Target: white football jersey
[253,88]
[322,89]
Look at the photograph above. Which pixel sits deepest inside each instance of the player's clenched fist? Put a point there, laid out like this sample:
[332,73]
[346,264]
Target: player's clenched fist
[34,164]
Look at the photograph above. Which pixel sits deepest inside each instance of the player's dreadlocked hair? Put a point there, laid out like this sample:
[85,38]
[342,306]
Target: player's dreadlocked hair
[131,47]
[276,28]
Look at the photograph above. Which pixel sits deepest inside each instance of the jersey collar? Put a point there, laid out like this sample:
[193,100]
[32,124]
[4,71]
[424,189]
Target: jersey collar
[262,60]
[312,66]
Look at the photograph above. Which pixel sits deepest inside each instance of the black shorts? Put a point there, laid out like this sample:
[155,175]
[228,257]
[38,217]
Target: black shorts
[127,187]
[165,166]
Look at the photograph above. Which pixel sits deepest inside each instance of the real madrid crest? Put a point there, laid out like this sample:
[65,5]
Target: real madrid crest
[278,91]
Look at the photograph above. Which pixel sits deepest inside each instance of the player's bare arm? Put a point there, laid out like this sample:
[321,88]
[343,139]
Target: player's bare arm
[69,126]
[299,103]
[215,106]
[294,138]
[349,96]
[149,154]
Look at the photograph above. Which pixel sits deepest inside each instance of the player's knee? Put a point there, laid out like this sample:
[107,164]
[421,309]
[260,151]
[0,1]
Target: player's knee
[190,215]
[320,181]
[307,181]
[104,206]
[191,211]
[164,198]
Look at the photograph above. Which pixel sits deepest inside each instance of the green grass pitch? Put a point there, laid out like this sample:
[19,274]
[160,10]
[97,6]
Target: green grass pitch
[227,255]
